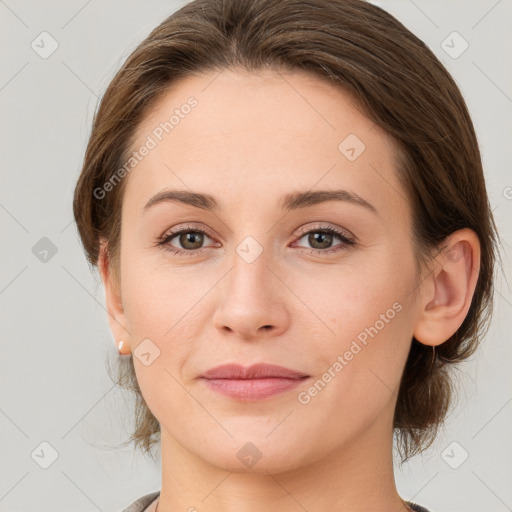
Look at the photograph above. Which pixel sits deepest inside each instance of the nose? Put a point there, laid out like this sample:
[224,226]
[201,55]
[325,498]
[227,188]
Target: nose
[252,300]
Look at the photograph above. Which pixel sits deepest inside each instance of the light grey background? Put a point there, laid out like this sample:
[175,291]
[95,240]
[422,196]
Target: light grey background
[54,335]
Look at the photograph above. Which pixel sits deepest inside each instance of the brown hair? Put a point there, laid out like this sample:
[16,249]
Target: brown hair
[395,80]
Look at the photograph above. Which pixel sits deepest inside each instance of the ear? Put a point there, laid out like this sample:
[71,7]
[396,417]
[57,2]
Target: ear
[115,309]
[448,290]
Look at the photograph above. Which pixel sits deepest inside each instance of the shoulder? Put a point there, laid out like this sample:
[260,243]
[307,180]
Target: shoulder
[140,504]
[415,507]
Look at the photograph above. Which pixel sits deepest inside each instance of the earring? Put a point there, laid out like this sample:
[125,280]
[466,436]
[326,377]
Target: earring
[120,347]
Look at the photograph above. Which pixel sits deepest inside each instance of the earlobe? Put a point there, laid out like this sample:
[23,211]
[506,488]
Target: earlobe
[113,302]
[448,290]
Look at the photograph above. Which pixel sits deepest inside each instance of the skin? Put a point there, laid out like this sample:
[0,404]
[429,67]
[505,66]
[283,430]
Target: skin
[252,138]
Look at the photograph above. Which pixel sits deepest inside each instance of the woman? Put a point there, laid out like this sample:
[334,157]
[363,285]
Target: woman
[287,206]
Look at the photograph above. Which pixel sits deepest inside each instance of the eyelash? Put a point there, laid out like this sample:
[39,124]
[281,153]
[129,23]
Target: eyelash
[164,240]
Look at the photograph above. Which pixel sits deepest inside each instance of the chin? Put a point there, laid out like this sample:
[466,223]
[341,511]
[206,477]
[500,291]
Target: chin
[256,454]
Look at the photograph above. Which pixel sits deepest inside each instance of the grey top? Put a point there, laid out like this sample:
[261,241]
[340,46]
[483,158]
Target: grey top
[142,503]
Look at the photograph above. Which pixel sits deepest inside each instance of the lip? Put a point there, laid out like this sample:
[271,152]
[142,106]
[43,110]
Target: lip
[256,371]
[252,383]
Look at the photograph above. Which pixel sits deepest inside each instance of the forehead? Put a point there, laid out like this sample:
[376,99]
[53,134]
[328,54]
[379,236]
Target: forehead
[241,135]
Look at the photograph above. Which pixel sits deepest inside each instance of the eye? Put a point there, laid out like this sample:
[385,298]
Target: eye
[189,238]
[321,239]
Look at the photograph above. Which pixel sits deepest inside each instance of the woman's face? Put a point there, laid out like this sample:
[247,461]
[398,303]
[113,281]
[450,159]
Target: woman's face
[260,278]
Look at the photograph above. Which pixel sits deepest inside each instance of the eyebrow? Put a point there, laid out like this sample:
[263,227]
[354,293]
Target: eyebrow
[291,201]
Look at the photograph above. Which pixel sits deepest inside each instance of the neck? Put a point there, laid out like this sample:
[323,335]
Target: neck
[358,475]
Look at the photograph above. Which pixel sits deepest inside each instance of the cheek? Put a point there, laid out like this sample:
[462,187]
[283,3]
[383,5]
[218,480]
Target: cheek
[360,330]
[156,298]
[160,308]
[345,299]
[359,371]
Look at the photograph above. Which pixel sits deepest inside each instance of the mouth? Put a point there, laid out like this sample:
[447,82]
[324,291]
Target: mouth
[252,383]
